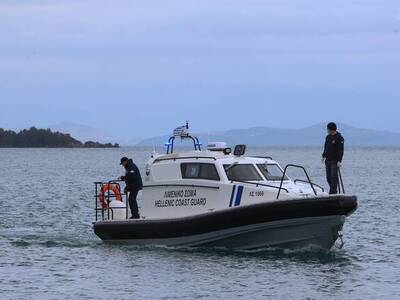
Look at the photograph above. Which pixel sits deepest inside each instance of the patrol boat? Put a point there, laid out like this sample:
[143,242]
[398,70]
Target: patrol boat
[221,199]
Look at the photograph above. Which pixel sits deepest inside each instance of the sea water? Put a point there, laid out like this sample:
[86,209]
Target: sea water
[48,249]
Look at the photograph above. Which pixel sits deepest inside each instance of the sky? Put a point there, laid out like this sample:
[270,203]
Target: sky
[141,68]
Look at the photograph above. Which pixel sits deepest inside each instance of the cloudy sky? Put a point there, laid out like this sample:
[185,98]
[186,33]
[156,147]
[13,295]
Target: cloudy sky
[140,68]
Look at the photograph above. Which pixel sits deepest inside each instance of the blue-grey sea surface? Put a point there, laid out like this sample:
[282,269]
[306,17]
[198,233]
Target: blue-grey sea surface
[48,249]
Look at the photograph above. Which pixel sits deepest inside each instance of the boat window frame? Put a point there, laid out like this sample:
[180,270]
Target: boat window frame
[261,178]
[183,171]
[286,178]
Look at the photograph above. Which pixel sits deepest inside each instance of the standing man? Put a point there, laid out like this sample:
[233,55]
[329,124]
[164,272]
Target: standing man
[134,184]
[332,156]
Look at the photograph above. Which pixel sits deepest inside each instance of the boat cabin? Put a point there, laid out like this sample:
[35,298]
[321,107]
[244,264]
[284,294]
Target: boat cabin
[179,184]
[200,181]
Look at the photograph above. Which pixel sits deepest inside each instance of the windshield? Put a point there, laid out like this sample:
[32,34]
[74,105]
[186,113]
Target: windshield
[271,172]
[244,172]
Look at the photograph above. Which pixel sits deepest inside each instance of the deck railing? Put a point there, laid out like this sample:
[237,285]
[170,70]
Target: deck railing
[107,213]
[284,176]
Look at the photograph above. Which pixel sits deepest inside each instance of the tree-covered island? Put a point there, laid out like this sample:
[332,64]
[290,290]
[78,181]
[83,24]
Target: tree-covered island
[44,138]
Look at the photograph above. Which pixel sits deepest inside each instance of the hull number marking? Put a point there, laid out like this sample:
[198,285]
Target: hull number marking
[256,193]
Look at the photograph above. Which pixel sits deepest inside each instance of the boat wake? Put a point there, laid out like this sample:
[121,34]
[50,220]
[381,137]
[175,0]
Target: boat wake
[309,253]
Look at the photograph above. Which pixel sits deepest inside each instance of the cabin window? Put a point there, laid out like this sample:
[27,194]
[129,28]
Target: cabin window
[242,172]
[199,171]
[272,172]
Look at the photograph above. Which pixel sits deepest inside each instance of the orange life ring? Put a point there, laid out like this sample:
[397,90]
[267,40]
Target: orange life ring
[107,188]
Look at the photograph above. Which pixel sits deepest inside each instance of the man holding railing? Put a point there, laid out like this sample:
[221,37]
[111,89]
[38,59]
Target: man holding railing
[332,156]
[134,184]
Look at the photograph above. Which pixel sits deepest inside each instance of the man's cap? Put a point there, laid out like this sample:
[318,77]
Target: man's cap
[332,126]
[124,159]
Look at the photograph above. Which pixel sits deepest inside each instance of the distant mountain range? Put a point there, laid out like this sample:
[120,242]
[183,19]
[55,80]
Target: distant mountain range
[255,136]
[83,132]
[309,136]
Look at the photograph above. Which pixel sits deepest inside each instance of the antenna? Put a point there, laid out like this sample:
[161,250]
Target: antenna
[154,148]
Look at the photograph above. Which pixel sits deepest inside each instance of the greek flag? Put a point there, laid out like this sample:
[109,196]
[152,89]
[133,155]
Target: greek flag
[181,131]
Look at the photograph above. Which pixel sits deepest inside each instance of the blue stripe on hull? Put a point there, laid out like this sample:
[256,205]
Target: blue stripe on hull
[233,193]
[239,195]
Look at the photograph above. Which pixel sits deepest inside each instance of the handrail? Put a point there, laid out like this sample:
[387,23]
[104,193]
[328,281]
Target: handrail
[284,175]
[261,184]
[188,157]
[341,181]
[111,181]
[170,145]
[171,141]
[305,181]
[184,185]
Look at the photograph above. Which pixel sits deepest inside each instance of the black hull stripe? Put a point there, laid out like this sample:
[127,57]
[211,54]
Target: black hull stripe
[229,218]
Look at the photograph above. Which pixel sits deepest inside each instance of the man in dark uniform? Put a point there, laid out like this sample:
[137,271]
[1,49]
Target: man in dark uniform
[134,184]
[332,156]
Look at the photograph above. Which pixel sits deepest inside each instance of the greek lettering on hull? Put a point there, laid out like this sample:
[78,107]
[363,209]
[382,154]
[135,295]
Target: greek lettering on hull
[179,198]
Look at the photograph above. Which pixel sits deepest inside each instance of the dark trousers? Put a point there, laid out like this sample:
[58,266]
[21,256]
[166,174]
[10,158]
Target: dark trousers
[133,204]
[332,176]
